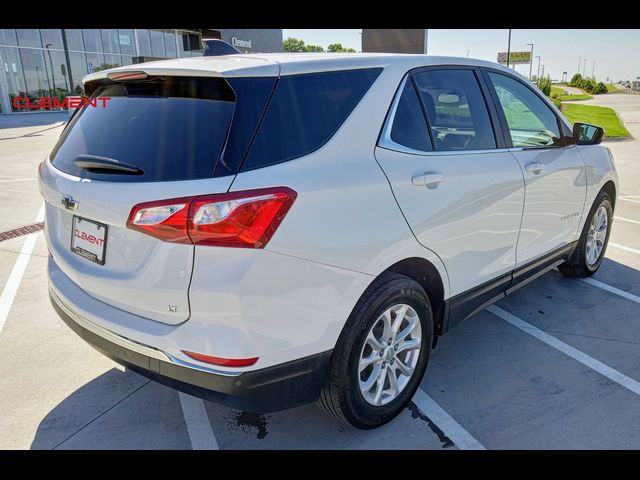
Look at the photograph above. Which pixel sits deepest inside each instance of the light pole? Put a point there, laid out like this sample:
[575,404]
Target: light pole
[543,70]
[579,63]
[53,75]
[584,66]
[593,70]
[38,75]
[538,76]
[530,61]
[509,48]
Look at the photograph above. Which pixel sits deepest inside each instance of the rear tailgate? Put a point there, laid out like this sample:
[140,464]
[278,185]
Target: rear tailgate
[173,130]
[141,274]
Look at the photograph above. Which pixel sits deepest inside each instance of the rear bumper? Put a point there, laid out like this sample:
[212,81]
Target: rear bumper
[265,390]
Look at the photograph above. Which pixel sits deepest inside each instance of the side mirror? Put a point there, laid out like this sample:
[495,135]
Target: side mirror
[586,134]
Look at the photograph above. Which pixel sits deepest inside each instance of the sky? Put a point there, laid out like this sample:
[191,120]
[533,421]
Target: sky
[616,52]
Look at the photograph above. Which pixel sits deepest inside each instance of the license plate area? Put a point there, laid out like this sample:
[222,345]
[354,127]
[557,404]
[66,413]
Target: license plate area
[89,239]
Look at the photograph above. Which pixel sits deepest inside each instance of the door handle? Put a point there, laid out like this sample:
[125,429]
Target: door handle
[428,179]
[534,167]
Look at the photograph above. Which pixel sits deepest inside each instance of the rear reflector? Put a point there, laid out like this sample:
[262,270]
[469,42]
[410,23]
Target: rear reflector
[223,362]
[246,219]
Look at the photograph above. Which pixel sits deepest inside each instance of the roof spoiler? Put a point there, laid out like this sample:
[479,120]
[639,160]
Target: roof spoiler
[214,47]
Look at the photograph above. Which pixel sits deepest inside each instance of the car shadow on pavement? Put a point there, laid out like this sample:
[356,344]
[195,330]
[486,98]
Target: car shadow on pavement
[85,406]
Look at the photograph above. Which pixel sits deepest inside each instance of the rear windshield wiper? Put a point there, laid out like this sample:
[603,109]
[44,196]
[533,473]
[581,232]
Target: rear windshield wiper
[108,165]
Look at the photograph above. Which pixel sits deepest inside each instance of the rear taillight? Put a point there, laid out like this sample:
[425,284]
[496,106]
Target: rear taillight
[246,219]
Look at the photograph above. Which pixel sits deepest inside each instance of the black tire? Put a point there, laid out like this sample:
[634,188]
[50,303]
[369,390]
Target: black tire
[577,265]
[341,396]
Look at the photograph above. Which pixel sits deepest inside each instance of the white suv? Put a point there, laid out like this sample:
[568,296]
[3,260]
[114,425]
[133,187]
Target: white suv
[271,230]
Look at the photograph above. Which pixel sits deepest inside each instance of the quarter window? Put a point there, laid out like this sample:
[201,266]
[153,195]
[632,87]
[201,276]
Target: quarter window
[304,113]
[409,127]
[531,122]
[456,110]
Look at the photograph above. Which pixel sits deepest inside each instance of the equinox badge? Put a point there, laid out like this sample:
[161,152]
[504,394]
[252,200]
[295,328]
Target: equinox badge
[69,203]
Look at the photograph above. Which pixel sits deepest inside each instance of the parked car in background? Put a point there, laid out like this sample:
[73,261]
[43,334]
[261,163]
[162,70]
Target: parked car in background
[271,230]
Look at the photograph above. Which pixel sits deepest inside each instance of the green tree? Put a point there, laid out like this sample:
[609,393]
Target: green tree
[338,48]
[544,84]
[599,89]
[575,80]
[313,48]
[293,45]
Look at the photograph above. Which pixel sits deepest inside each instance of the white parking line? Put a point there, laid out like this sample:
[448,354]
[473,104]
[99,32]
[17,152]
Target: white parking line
[198,424]
[445,422]
[19,180]
[629,200]
[609,288]
[15,277]
[588,361]
[623,247]
[628,220]
[629,196]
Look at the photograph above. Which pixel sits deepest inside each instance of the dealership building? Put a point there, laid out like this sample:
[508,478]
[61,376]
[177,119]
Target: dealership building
[36,63]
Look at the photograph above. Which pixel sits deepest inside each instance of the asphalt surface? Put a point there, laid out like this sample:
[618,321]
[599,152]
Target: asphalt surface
[555,365]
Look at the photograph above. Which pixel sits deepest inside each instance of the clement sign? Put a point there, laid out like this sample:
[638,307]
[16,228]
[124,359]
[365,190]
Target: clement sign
[25,103]
[514,57]
[236,42]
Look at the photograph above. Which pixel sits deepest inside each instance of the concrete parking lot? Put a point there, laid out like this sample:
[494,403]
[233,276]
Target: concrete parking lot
[555,365]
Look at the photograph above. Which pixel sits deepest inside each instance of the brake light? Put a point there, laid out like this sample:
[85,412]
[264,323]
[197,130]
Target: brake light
[225,362]
[246,219]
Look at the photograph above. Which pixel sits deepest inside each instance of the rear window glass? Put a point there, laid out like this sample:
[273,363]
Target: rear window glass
[304,113]
[172,129]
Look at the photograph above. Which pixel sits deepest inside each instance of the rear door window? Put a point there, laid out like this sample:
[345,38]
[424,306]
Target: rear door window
[456,110]
[304,113]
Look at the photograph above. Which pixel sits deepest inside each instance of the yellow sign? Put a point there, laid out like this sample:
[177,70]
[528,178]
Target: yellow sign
[514,57]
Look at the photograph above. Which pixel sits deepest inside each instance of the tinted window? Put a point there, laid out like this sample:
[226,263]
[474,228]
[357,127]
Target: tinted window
[409,127]
[304,112]
[456,110]
[531,122]
[173,130]
[252,95]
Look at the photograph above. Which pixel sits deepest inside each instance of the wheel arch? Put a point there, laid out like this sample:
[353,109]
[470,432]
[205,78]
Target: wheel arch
[610,188]
[427,275]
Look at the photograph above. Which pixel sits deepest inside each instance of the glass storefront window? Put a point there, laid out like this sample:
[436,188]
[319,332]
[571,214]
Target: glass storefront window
[8,37]
[74,39]
[92,41]
[78,70]
[33,63]
[12,70]
[112,61]
[126,41]
[38,76]
[170,44]
[95,62]
[110,41]
[35,73]
[190,44]
[29,37]
[52,37]
[144,42]
[157,43]
[56,66]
